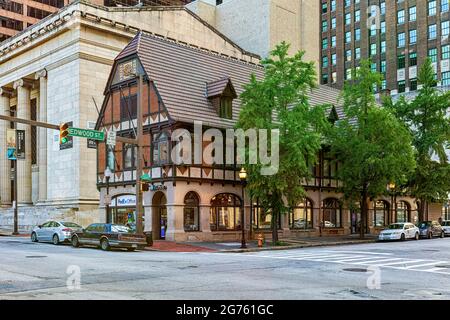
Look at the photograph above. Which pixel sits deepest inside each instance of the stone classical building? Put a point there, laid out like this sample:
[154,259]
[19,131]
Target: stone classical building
[56,71]
[259,25]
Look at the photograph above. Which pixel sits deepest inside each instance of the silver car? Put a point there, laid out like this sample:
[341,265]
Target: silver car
[55,232]
[446,226]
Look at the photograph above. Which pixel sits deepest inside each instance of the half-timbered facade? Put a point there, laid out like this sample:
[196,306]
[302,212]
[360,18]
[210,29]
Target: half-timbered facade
[185,86]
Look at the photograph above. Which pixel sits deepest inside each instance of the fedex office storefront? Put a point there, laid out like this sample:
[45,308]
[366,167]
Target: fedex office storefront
[123,209]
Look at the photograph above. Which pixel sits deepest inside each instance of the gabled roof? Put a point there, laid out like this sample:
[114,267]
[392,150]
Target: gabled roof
[180,73]
[218,87]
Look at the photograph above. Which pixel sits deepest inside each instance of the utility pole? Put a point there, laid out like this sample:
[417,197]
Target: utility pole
[139,134]
[16,210]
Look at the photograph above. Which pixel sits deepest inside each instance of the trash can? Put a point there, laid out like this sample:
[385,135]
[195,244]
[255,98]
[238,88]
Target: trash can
[149,238]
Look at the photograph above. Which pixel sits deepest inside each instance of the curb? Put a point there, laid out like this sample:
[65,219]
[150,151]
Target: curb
[308,245]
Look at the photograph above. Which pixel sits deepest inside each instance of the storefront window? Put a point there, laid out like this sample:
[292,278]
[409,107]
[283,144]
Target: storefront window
[301,216]
[381,213]
[403,212]
[332,213]
[446,211]
[123,210]
[191,212]
[225,212]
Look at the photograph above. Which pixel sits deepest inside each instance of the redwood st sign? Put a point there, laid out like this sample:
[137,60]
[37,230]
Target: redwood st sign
[86,133]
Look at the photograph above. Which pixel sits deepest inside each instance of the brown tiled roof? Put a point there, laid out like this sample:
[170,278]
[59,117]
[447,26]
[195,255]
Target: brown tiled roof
[216,88]
[181,72]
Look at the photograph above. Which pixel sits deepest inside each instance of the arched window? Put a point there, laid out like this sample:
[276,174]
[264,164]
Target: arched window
[225,212]
[332,213]
[191,212]
[380,213]
[301,216]
[403,212]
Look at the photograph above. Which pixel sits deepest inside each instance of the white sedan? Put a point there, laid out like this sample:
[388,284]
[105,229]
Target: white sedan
[55,232]
[446,226]
[400,231]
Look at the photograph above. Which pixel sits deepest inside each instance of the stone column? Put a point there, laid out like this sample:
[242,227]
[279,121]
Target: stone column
[42,135]
[5,166]
[24,166]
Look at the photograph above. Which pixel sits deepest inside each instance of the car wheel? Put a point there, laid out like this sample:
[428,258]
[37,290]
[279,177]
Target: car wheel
[104,244]
[55,239]
[417,237]
[75,242]
[34,237]
[402,238]
[131,249]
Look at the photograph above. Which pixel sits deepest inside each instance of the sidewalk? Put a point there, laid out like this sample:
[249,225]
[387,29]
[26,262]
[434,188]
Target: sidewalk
[8,233]
[252,245]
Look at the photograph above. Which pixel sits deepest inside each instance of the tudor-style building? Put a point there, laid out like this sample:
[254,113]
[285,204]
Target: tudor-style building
[183,85]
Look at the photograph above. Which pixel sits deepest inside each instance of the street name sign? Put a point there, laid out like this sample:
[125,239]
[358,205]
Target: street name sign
[86,133]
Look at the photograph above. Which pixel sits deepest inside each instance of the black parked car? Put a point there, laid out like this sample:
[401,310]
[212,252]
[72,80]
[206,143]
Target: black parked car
[430,229]
[107,235]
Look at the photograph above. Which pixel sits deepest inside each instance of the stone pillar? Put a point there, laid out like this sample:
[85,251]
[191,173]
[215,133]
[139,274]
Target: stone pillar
[5,166]
[42,135]
[204,221]
[24,166]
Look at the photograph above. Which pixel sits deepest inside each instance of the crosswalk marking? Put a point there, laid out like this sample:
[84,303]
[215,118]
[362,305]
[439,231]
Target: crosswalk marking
[425,265]
[360,258]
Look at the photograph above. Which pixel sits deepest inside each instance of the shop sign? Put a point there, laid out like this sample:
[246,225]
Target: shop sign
[126,201]
[158,188]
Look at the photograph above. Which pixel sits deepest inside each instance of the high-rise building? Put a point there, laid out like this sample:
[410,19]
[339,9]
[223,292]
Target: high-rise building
[396,35]
[17,15]
[259,25]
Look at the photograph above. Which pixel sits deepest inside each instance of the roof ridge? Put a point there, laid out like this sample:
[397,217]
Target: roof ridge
[200,49]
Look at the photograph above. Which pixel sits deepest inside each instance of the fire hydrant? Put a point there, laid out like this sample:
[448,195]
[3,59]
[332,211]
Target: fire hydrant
[260,238]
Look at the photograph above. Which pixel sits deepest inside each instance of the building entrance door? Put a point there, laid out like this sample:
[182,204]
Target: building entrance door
[356,222]
[159,221]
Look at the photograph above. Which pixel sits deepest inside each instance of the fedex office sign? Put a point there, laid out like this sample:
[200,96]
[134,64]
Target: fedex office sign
[126,201]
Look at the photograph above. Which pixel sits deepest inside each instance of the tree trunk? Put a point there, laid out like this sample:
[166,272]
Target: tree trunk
[364,209]
[421,209]
[275,214]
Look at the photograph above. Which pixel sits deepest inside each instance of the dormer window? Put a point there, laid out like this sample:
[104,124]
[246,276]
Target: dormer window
[226,108]
[221,94]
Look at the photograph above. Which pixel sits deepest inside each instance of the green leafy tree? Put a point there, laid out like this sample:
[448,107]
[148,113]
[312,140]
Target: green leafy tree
[426,117]
[280,102]
[371,146]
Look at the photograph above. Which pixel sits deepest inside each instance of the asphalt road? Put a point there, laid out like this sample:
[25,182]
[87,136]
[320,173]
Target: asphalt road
[393,270]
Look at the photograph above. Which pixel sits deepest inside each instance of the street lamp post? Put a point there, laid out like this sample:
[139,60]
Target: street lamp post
[107,176]
[393,204]
[243,177]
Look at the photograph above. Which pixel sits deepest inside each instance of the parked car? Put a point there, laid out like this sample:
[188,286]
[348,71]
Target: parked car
[54,231]
[430,229]
[446,226]
[400,231]
[329,224]
[107,235]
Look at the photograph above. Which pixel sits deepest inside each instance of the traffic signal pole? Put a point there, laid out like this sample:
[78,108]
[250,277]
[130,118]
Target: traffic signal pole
[139,134]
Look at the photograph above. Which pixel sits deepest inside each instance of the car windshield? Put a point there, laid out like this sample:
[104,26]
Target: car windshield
[396,226]
[445,223]
[424,224]
[71,225]
[121,229]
